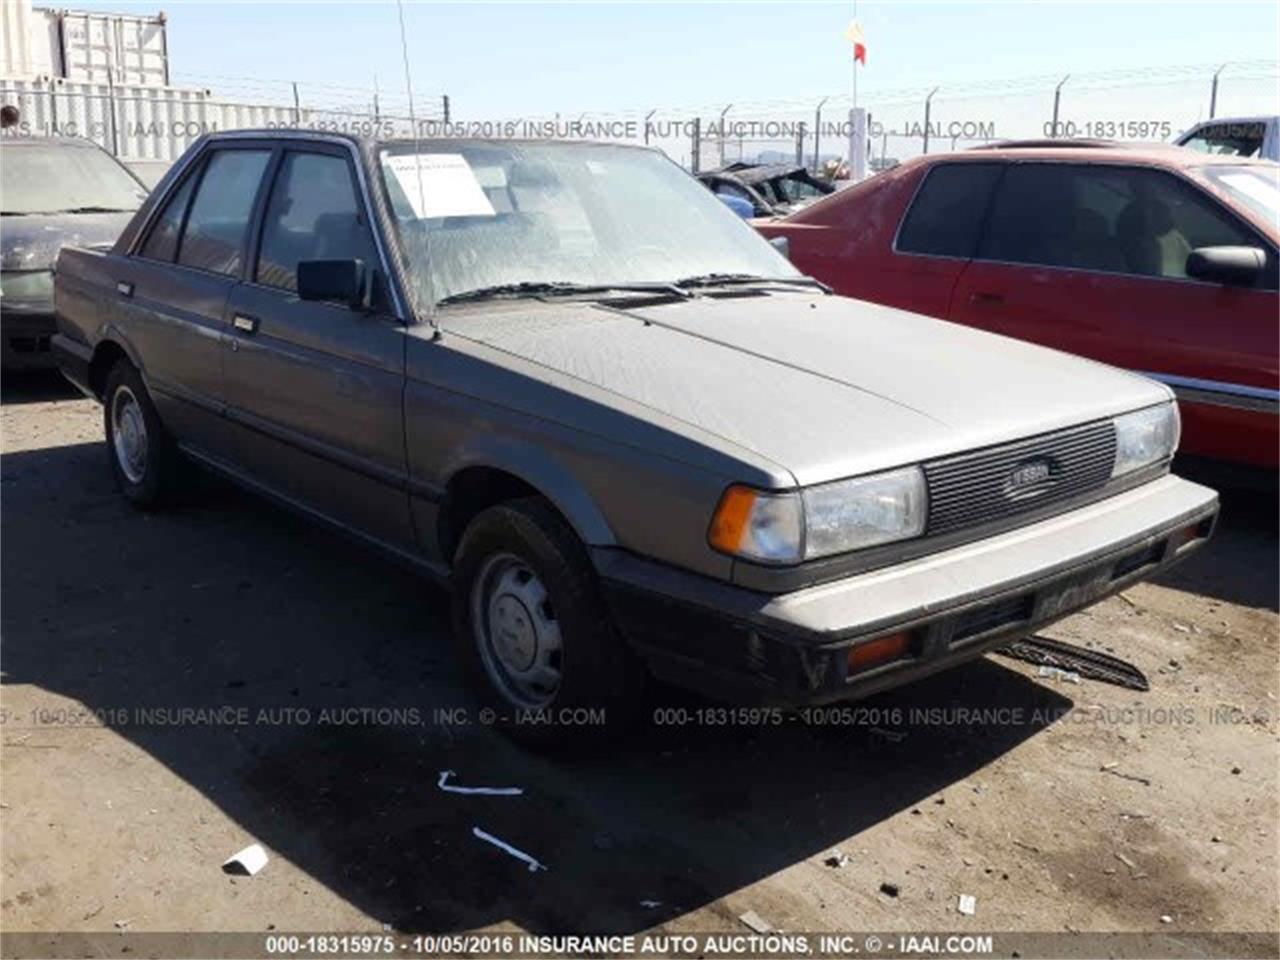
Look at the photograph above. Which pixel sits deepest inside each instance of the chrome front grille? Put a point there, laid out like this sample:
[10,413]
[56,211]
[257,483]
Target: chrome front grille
[996,483]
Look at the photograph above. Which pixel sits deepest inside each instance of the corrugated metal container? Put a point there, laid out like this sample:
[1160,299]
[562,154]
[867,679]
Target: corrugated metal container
[82,46]
[138,122]
[125,49]
[15,39]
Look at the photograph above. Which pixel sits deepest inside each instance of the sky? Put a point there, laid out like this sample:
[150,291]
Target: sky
[499,60]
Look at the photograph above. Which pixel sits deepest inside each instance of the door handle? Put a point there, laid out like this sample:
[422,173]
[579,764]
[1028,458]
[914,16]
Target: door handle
[244,324]
[124,288]
[986,296]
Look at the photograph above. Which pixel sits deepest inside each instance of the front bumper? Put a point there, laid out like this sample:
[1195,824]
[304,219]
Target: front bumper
[25,332]
[794,649]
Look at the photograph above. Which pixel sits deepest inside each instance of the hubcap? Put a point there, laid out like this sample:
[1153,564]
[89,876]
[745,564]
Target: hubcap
[129,434]
[517,632]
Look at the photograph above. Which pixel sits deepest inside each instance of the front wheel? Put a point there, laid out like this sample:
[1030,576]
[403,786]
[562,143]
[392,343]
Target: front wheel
[144,461]
[533,631]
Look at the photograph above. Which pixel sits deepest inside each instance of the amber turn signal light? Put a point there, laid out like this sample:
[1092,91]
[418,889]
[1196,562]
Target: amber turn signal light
[873,653]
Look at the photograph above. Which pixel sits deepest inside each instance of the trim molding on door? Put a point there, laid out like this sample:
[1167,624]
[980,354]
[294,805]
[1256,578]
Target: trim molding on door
[1220,393]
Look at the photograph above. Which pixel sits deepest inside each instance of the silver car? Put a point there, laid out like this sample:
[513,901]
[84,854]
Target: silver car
[564,380]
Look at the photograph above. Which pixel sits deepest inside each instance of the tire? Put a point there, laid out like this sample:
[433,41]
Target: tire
[533,633]
[146,464]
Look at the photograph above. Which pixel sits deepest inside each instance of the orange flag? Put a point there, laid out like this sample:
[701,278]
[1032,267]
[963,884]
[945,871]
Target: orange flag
[854,36]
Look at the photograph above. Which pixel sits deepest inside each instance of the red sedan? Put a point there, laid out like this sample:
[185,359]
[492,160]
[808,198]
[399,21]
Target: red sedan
[1160,260]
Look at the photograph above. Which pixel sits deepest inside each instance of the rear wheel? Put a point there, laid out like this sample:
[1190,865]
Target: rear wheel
[533,632]
[144,461]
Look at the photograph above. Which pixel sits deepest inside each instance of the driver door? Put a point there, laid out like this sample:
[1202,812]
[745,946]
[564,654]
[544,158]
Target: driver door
[315,388]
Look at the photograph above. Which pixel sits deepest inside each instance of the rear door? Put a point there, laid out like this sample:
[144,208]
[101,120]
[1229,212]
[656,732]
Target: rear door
[316,388]
[172,290]
[1091,258]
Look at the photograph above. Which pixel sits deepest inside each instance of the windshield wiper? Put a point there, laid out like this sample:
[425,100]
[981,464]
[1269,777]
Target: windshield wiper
[727,279]
[545,288]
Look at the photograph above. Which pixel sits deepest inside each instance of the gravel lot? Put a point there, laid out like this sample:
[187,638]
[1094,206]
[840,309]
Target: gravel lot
[1084,807]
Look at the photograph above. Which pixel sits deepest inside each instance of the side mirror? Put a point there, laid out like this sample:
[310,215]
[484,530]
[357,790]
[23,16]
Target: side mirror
[782,245]
[338,281]
[1236,266]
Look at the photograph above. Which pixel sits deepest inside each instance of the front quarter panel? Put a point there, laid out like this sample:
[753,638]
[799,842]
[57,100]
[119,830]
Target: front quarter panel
[619,478]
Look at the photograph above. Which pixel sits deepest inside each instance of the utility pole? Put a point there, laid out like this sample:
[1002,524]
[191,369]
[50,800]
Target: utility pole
[928,104]
[1057,99]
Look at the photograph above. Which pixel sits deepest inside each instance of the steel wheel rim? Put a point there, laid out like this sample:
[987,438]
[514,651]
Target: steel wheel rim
[129,434]
[517,632]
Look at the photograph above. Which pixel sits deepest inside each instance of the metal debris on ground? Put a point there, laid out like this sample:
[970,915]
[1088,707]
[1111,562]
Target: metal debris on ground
[837,860]
[889,889]
[1111,769]
[247,862]
[1066,676]
[755,922]
[968,904]
[446,775]
[893,736]
[1089,664]
[533,864]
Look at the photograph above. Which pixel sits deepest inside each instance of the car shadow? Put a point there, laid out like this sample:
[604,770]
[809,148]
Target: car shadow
[35,386]
[308,689]
[1241,564]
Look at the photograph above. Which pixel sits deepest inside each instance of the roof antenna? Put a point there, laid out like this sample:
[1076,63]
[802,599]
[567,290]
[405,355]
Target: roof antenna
[422,196]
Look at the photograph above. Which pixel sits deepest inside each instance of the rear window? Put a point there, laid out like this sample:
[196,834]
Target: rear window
[945,219]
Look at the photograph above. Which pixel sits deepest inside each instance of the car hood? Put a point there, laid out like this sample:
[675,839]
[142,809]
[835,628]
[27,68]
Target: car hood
[823,387]
[32,241]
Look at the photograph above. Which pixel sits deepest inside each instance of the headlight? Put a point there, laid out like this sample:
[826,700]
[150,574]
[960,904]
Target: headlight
[783,528]
[26,285]
[852,514]
[1145,437]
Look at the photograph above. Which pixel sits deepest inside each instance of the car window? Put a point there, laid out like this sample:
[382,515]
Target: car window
[162,243]
[314,214]
[1108,218]
[1239,139]
[946,216]
[219,217]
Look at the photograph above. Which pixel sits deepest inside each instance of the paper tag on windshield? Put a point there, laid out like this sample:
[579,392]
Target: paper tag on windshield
[449,188]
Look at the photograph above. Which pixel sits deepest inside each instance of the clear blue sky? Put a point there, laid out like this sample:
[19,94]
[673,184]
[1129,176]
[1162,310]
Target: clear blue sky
[507,59]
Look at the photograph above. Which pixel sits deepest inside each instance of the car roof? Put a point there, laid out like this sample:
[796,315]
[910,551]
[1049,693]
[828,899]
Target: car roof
[1094,151]
[29,141]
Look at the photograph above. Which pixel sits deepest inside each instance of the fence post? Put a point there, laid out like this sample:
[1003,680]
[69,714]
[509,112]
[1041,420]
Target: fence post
[695,153]
[53,107]
[444,104]
[297,106]
[817,134]
[1213,92]
[111,105]
[722,132]
[647,117]
[1057,99]
[928,104]
[800,137]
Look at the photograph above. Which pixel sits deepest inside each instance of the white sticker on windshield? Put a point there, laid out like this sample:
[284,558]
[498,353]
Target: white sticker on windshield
[448,188]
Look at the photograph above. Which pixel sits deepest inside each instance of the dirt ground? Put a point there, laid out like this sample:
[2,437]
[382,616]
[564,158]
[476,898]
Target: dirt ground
[1078,808]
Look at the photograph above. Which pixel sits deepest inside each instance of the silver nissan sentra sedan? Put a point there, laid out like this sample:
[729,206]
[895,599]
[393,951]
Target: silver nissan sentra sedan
[564,380]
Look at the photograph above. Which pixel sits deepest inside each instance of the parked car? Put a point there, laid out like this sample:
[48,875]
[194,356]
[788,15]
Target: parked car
[52,191]
[1158,260]
[1257,137]
[566,381]
[772,190]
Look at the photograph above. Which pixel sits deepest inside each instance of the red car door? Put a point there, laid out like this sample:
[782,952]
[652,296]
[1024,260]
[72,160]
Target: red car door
[1090,259]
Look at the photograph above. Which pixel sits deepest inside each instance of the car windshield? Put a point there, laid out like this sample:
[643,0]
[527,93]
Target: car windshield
[1233,138]
[1255,187]
[59,177]
[513,215]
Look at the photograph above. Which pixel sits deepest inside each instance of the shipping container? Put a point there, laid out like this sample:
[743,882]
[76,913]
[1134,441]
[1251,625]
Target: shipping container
[88,47]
